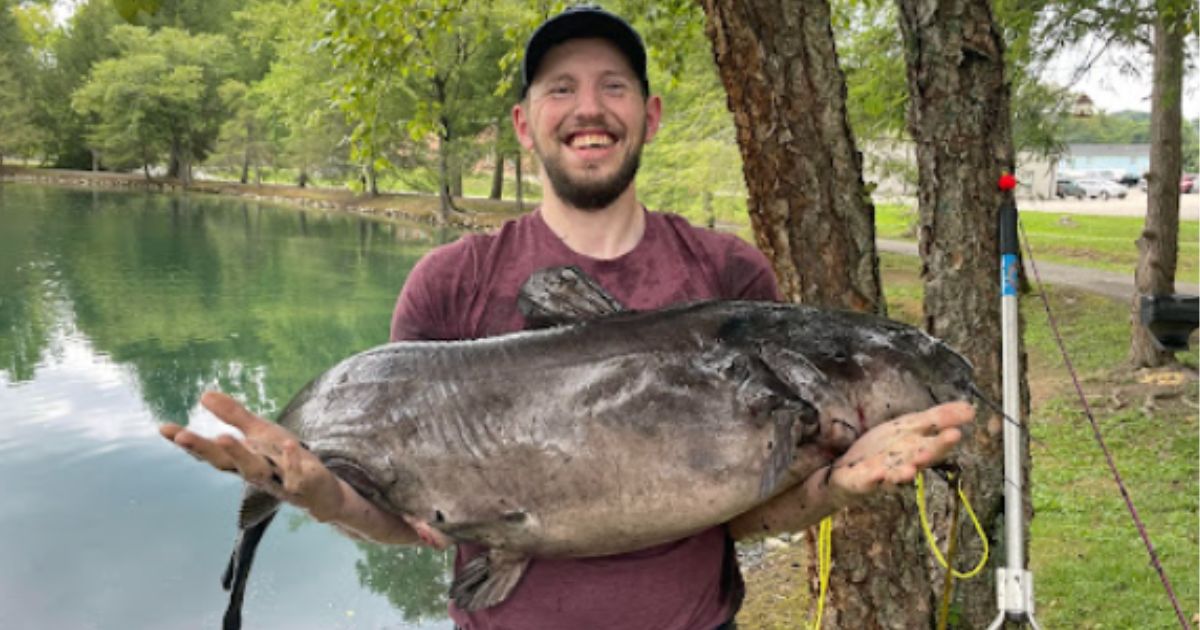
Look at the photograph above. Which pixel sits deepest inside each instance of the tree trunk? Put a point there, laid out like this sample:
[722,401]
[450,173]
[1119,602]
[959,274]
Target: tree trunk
[520,183]
[372,180]
[444,192]
[1158,246]
[185,169]
[960,119]
[95,160]
[810,212]
[498,174]
[173,163]
[245,166]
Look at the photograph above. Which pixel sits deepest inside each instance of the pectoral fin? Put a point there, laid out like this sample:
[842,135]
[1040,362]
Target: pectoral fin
[563,295]
[488,579]
[258,508]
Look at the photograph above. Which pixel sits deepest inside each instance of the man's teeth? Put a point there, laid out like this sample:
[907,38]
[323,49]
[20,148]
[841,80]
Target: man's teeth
[586,140]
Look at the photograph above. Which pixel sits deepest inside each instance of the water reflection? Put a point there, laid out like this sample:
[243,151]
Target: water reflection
[116,311]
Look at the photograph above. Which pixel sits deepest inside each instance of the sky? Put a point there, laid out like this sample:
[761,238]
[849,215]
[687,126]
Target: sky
[1120,78]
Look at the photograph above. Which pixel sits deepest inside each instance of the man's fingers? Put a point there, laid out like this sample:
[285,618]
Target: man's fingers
[253,467]
[953,414]
[198,447]
[232,412]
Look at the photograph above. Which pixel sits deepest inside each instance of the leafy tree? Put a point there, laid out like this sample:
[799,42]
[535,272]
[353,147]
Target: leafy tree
[80,43]
[296,93]
[249,137]
[19,132]
[160,92]
[446,57]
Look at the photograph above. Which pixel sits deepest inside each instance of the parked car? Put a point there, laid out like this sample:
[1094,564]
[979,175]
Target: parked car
[1187,183]
[1064,188]
[1099,188]
[1129,180]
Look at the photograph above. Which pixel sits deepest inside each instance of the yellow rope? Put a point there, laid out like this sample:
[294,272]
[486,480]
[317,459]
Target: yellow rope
[933,542]
[824,566]
[948,579]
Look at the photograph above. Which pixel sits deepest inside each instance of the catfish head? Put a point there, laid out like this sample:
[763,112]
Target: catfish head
[859,370]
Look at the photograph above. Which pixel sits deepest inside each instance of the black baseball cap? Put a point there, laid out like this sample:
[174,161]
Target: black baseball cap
[578,22]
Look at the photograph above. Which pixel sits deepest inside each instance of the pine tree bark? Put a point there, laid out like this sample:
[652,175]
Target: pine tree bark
[1158,246]
[959,117]
[808,206]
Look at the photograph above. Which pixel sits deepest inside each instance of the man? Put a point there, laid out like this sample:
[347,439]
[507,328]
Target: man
[586,112]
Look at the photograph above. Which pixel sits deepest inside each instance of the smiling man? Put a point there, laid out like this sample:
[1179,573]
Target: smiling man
[586,112]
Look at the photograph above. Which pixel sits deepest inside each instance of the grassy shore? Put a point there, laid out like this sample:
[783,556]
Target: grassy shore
[1089,565]
[1106,243]
[477,213]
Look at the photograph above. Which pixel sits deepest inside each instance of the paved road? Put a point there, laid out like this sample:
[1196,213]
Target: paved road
[1115,285]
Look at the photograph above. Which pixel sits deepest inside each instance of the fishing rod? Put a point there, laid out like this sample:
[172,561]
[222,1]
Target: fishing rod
[1014,584]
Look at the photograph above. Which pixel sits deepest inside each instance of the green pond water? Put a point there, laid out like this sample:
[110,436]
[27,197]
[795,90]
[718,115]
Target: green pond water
[117,310]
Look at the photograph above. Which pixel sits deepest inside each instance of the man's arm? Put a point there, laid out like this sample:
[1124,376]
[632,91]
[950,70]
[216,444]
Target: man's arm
[886,456]
[272,459]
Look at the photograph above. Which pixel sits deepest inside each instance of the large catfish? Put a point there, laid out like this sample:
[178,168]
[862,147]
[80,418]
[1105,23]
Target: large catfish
[606,431]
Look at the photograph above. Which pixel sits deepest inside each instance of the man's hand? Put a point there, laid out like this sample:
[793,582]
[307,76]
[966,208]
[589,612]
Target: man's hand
[269,458]
[888,455]
[891,453]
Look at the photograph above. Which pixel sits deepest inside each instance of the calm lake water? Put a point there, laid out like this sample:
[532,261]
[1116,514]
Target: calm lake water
[116,311]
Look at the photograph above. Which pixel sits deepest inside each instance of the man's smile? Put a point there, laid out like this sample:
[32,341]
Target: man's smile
[591,144]
[590,139]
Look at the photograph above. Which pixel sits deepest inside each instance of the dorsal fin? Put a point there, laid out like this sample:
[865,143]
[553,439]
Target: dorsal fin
[564,295]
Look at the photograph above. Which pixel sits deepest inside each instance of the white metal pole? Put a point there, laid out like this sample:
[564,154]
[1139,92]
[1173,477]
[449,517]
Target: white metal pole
[1014,585]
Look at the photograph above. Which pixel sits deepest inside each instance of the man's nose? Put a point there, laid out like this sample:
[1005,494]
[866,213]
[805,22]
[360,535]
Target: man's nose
[588,102]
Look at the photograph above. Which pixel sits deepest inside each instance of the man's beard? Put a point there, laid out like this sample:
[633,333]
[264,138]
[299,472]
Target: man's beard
[591,195]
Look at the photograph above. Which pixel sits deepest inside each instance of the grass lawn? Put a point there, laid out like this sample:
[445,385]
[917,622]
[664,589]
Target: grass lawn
[1089,565]
[1106,243]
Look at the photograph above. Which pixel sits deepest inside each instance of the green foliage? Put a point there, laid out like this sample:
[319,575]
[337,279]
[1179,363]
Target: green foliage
[19,132]
[249,137]
[1116,128]
[693,166]
[413,72]
[82,42]
[869,49]
[160,94]
[131,10]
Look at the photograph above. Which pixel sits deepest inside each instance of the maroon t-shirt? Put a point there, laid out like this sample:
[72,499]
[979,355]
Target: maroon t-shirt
[467,289]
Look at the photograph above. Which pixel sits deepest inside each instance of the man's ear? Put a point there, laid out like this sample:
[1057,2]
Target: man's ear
[520,120]
[653,116]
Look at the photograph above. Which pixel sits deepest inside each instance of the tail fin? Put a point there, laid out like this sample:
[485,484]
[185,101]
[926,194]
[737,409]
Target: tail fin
[258,510]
